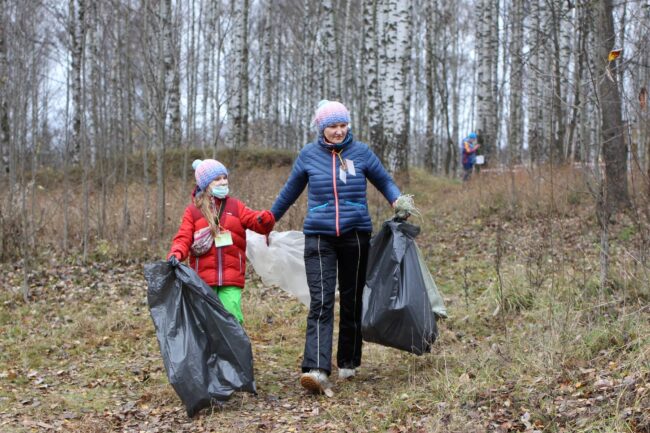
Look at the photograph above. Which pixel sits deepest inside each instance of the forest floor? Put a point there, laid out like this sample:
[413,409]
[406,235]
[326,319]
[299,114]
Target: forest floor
[532,342]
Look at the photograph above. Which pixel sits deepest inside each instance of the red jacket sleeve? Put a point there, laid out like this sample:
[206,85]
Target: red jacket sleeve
[183,239]
[259,221]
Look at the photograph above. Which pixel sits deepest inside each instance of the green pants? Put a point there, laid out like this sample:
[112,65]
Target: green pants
[230,297]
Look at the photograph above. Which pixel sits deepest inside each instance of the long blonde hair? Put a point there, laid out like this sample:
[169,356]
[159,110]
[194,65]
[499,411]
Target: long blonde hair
[205,203]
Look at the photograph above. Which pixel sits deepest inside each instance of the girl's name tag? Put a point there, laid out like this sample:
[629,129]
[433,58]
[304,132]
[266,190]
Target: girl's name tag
[223,239]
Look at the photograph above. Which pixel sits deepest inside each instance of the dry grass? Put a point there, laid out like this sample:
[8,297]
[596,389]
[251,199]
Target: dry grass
[531,342]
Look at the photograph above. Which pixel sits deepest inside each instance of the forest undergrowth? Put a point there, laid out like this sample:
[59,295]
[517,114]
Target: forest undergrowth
[533,343]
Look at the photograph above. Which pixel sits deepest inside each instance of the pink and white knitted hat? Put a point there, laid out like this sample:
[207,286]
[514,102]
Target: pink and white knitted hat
[206,171]
[329,113]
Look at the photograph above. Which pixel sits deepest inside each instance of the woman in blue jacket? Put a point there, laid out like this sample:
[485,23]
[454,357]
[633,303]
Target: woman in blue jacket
[337,234]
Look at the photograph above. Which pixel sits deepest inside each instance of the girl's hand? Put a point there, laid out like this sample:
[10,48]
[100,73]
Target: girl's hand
[173,261]
[266,220]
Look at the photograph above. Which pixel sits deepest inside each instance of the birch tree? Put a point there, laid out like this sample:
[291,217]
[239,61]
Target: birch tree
[238,106]
[559,83]
[170,74]
[486,47]
[516,119]
[77,32]
[535,87]
[396,46]
[268,84]
[430,80]
[328,53]
[372,108]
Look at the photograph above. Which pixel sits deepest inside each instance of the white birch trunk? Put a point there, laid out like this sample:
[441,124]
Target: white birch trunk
[206,70]
[267,80]
[243,113]
[396,95]
[430,77]
[171,76]
[374,118]
[343,75]
[238,93]
[233,81]
[77,33]
[193,48]
[5,126]
[535,83]
[486,104]
[328,56]
[307,87]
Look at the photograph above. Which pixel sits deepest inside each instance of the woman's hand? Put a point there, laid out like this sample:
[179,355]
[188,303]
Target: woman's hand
[402,208]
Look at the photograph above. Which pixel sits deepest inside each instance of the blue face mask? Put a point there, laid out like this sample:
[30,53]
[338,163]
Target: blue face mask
[219,191]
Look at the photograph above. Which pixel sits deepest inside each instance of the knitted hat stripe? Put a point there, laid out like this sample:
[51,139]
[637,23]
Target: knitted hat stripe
[330,113]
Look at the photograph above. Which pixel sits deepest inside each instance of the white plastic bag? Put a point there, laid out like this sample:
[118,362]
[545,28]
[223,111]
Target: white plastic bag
[282,263]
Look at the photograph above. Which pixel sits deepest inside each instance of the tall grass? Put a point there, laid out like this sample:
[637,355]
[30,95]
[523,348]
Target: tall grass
[529,331]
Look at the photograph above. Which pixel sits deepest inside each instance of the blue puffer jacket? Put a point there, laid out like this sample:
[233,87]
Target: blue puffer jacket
[335,207]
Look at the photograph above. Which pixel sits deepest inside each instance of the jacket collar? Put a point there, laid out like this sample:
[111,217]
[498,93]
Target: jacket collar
[336,147]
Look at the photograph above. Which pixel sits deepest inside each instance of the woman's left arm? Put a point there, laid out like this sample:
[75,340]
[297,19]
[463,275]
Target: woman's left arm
[379,177]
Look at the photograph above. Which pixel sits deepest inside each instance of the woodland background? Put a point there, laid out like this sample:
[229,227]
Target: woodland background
[542,258]
[101,91]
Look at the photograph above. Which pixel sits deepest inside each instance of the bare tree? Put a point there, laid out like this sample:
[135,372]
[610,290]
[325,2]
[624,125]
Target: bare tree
[612,130]
[5,127]
[516,119]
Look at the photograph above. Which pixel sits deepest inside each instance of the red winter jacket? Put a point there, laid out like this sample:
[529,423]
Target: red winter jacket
[223,266]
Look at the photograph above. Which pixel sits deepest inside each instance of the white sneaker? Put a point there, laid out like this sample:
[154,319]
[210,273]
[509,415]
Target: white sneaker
[315,381]
[347,373]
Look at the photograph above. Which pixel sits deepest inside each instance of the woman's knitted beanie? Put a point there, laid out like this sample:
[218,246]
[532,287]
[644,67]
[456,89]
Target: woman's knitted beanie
[206,171]
[329,113]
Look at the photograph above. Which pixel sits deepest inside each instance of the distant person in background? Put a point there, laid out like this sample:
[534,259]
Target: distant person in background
[213,234]
[470,147]
[337,230]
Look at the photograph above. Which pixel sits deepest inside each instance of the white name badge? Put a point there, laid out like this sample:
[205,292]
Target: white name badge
[223,239]
[343,175]
[350,165]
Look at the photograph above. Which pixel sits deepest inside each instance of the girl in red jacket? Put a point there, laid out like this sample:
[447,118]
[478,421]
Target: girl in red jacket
[213,234]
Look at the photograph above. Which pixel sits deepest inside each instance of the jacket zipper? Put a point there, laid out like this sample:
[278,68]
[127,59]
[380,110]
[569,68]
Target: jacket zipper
[336,196]
[196,264]
[220,277]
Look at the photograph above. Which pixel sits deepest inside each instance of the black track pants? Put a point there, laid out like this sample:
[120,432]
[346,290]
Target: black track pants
[323,255]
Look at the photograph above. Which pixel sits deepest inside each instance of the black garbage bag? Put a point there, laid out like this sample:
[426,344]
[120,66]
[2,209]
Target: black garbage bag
[397,311]
[207,354]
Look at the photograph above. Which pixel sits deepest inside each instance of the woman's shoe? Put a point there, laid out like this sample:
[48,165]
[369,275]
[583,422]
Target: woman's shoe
[347,373]
[315,381]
